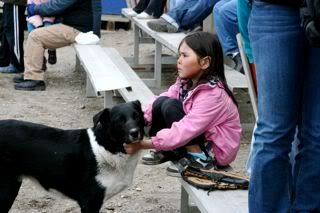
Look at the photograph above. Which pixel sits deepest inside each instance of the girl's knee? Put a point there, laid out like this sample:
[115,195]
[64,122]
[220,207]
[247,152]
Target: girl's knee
[170,106]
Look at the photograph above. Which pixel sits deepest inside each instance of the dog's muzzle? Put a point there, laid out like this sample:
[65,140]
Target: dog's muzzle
[134,135]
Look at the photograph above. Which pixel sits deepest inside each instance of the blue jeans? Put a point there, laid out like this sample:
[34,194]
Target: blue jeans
[289,96]
[191,13]
[226,25]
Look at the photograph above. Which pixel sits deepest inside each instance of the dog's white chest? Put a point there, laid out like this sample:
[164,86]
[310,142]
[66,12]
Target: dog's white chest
[117,178]
[115,171]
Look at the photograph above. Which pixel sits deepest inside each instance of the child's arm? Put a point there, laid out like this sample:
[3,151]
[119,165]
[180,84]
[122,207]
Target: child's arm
[134,147]
[53,8]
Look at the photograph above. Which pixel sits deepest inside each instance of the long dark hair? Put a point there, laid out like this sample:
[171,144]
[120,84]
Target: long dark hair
[206,44]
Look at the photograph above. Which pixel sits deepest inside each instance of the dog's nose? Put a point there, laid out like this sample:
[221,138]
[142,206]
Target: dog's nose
[134,133]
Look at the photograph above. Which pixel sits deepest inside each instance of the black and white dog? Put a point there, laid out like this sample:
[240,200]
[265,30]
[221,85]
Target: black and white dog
[87,165]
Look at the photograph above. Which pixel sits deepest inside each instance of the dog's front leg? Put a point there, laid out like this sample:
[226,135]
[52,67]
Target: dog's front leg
[91,200]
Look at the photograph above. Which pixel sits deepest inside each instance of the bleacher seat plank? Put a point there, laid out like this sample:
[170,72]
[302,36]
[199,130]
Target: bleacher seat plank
[103,73]
[138,90]
[227,201]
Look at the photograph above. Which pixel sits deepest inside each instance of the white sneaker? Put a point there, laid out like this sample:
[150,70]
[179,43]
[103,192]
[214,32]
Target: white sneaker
[144,15]
[132,13]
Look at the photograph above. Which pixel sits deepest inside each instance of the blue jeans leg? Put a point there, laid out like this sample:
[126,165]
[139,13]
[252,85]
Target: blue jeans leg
[279,46]
[191,13]
[226,25]
[307,170]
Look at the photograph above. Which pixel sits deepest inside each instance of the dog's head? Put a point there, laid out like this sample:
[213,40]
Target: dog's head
[123,123]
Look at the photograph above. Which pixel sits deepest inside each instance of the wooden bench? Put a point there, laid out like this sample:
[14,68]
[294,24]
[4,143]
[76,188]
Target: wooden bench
[170,41]
[107,72]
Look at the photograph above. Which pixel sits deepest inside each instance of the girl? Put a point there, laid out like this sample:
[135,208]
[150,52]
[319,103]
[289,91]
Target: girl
[198,109]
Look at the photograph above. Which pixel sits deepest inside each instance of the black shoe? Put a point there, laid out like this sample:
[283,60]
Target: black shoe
[31,85]
[236,58]
[18,78]
[154,158]
[161,25]
[52,56]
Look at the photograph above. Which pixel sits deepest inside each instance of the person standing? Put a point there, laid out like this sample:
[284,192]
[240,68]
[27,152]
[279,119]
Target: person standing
[12,36]
[289,98]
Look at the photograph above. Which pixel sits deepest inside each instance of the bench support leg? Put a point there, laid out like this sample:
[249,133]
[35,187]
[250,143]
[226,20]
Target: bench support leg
[89,89]
[108,101]
[136,45]
[157,64]
[185,203]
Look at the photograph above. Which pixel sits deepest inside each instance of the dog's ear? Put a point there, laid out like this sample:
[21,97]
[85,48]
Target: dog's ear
[102,117]
[137,104]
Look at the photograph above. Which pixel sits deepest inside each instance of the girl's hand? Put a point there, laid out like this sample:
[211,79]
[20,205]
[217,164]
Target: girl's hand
[136,146]
[132,147]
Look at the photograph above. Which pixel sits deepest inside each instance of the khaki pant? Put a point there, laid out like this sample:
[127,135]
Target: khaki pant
[51,37]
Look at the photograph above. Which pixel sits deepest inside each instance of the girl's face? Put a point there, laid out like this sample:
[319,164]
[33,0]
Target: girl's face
[189,66]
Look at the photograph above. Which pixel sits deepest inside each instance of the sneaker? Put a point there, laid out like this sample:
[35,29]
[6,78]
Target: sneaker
[173,170]
[132,13]
[144,15]
[154,158]
[236,58]
[9,69]
[31,85]
[18,78]
[161,25]
[200,160]
[52,56]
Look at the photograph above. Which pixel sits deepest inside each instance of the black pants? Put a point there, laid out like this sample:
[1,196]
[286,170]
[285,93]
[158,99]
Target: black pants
[152,7]
[12,36]
[165,111]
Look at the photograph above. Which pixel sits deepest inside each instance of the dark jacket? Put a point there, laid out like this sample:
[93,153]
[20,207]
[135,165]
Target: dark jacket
[84,15]
[16,2]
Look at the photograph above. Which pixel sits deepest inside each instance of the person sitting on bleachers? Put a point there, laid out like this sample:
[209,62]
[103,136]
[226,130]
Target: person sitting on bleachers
[186,15]
[226,27]
[75,15]
[146,9]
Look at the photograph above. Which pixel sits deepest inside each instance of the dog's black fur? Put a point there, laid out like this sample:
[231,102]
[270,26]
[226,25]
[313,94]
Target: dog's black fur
[68,160]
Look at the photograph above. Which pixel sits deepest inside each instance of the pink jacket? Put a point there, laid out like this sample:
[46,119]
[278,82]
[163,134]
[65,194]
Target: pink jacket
[209,110]
[37,20]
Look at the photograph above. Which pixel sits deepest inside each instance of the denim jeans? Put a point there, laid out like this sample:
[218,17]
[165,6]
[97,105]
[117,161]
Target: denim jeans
[288,78]
[226,25]
[190,14]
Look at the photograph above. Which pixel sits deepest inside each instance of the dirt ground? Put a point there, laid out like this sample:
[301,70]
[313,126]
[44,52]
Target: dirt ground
[65,105]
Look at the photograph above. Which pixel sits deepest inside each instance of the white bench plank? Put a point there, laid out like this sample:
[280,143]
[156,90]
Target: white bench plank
[235,79]
[230,201]
[139,91]
[102,72]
